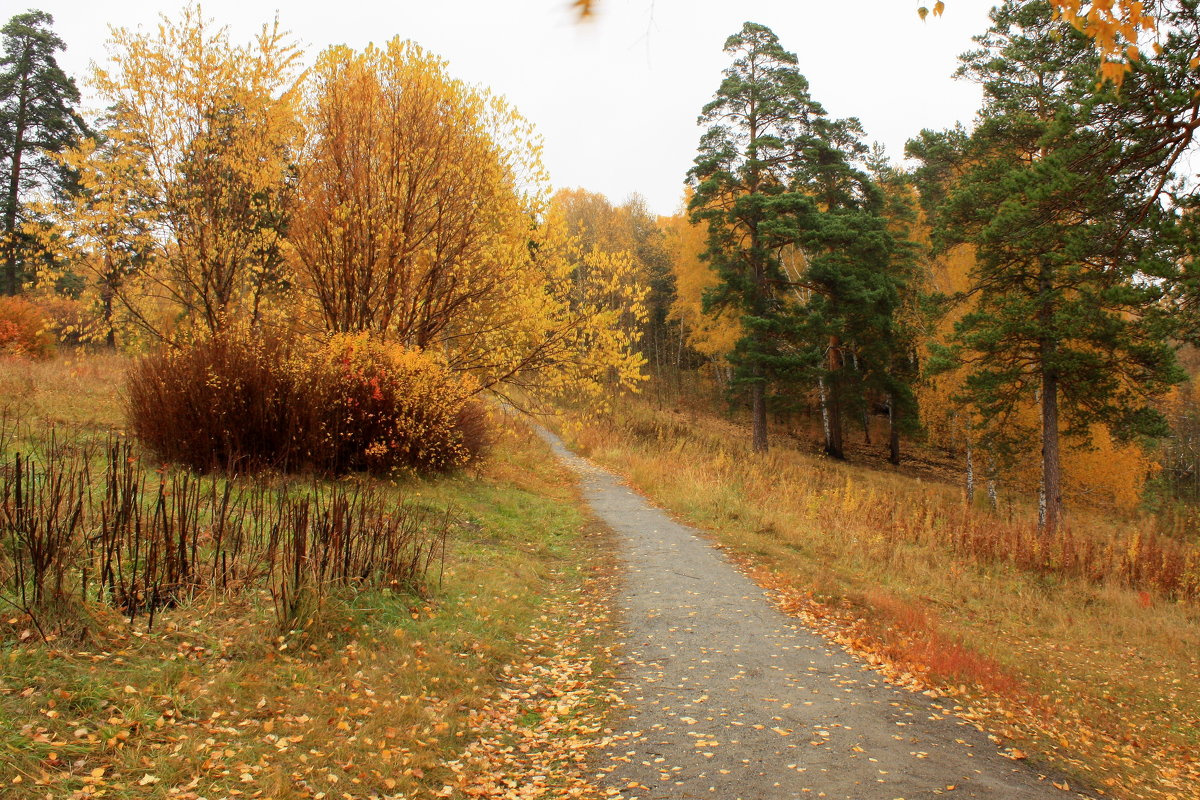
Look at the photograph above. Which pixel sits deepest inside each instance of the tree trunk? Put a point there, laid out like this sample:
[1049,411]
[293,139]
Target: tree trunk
[12,281]
[758,417]
[866,409]
[833,443]
[970,475]
[824,410]
[1051,463]
[893,432]
[1051,466]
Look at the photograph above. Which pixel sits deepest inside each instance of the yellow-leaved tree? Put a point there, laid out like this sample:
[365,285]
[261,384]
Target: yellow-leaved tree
[712,336]
[415,193]
[421,218]
[211,124]
[106,232]
[576,331]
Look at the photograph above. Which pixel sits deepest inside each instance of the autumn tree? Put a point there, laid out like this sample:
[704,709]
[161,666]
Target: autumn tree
[411,207]
[1071,260]
[37,120]
[213,124]
[711,336]
[107,229]
[421,218]
[630,227]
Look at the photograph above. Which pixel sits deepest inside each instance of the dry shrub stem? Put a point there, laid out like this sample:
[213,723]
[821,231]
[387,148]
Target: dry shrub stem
[140,540]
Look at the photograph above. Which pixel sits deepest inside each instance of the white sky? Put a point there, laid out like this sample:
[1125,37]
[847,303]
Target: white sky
[617,98]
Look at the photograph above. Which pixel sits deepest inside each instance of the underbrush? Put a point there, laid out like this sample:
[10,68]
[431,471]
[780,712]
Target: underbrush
[208,636]
[252,400]
[25,329]
[84,521]
[1082,648]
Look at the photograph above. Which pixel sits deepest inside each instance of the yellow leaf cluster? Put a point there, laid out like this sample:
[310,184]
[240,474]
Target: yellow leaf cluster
[1116,26]
[709,335]
[210,126]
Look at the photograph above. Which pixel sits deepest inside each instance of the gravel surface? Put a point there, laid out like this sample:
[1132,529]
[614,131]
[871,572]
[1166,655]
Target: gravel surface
[726,697]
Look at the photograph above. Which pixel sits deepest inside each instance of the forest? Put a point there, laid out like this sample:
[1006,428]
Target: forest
[284,335]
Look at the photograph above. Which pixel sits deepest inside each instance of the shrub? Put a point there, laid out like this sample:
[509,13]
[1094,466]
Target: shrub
[228,401]
[237,400]
[24,329]
[383,407]
[67,318]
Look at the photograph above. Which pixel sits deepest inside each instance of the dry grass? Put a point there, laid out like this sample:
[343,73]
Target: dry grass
[1086,649]
[388,694]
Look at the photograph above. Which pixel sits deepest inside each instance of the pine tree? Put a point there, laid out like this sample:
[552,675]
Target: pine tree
[37,119]
[799,240]
[761,125]
[1071,260]
[853,280]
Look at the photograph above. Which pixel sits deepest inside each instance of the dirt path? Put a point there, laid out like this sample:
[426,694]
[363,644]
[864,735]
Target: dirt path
[727,698]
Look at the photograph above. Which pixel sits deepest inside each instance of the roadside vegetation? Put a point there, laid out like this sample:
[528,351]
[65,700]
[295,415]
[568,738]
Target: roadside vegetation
[266,526]
[419,687]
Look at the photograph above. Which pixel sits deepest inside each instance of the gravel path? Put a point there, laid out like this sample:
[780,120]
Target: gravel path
[728,698]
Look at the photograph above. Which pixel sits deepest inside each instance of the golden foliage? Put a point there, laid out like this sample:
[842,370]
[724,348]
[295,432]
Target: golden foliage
[712,336]
[420,218]
[594,219]
[211,125]
[386,406]
[572,335]
[1116,26]
[415,193]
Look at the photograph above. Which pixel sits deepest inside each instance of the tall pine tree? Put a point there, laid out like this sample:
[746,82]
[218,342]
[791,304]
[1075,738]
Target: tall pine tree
[37,119]
[1071,258]
[760,126]
[799,241]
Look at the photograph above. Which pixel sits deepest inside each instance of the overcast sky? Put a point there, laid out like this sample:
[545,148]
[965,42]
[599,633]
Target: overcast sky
[616,99]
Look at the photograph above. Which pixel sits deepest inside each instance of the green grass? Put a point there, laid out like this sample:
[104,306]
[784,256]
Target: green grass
[378,696]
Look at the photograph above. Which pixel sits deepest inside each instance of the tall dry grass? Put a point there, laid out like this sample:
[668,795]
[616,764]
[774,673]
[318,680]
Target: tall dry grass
[791,493]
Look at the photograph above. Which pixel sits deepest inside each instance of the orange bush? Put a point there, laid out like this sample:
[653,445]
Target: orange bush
[24,329]
[67,317]
[382,406]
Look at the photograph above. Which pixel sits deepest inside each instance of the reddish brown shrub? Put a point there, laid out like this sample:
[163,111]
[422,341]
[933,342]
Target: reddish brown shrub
[227,401]
[239,400]
[24,329]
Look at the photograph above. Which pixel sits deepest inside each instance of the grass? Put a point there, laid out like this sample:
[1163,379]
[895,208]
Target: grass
[1073,651]
[386,694]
